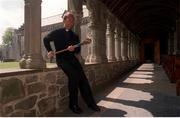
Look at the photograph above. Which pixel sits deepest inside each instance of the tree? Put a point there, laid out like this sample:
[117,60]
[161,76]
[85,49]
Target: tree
[7,36]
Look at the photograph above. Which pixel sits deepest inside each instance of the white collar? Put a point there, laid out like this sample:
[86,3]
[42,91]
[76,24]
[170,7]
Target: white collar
[67,30]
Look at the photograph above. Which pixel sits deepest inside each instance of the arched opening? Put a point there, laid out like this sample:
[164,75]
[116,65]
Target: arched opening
[149,52]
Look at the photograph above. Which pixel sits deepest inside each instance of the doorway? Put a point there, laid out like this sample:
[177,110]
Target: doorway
[149,53]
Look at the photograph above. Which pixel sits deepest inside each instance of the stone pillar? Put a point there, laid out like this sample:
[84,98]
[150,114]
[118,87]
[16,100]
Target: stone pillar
[110,34]
[118,41]
[137,48]
[177,34]
[171,43]
[124,44]
[27,11]
[33,36]
[129,45]
[75,6]
[97,32]
[132,48]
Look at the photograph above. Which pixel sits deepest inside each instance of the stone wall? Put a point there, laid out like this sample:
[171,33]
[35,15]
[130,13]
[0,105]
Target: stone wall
[41,93]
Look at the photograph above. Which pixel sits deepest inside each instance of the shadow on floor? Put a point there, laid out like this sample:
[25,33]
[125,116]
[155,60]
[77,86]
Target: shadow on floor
[144,92]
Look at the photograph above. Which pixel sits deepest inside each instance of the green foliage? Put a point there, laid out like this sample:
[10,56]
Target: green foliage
[7,36]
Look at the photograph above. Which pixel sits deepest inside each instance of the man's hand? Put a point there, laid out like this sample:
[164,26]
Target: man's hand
[50,54]
[71,48]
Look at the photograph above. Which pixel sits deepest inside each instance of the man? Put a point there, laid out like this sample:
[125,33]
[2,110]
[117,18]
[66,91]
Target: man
[65,38]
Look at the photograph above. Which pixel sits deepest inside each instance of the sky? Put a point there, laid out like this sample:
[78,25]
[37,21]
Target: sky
[12,12]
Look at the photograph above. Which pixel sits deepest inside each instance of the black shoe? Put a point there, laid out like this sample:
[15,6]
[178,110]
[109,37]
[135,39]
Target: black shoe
[76,109]
[94,107]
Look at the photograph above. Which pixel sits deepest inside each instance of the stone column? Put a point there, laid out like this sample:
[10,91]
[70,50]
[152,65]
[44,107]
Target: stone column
[124,44]
[33,35]
[97,32]
[27,12]
[132,48]
[118,41]
[137,48]
[171,43]
[129,45]
[75,6]
[110,34]
[177,34]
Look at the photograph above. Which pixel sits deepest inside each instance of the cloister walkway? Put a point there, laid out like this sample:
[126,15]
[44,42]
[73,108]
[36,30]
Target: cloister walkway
[143,92]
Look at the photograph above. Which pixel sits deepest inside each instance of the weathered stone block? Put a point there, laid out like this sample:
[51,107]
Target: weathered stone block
[31,113]
[8,109]
[11,89]
[27,103]
[50,78]
[64,91]
[35,88]
[47,105]
[17,114]
[91,75]
[60,81]
[30,79]
[42,95]
[53,89]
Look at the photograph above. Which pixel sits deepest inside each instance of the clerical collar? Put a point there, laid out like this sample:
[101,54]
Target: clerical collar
[67,30]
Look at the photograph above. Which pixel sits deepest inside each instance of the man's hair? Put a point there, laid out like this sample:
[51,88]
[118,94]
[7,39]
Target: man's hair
[66,14]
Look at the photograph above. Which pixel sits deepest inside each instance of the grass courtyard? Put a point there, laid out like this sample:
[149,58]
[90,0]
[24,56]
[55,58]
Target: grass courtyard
[14,65]
[6,65]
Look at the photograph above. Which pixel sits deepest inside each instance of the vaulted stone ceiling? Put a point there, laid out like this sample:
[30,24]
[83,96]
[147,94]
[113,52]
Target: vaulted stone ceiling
[145,16]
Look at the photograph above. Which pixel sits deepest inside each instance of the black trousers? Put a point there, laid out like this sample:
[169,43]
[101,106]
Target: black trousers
[76,80]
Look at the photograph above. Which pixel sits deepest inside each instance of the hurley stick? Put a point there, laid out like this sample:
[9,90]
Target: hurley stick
[86,41]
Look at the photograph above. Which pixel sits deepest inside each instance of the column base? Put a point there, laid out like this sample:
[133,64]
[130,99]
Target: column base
[32,62]
[125,58]
[22,62]
[118,59]
[176,53]
[95,59]
[112,59]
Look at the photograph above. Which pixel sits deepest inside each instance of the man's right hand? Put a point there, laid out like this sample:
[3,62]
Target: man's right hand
[50,54]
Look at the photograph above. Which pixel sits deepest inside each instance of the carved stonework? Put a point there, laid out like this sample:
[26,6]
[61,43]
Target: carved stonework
[97,32]
[110,33]
[124,44]
[118,31]
[32,58]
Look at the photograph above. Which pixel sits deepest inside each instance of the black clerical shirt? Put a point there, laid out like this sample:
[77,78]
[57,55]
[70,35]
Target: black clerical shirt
[62,39]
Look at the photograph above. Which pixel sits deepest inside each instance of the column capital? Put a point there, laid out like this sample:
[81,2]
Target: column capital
[97,31]
[93,6]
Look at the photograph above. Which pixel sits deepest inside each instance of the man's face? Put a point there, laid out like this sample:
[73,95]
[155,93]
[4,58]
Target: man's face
[69,22]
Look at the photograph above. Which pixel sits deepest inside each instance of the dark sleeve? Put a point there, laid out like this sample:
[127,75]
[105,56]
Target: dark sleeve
[47,39]
[78,49]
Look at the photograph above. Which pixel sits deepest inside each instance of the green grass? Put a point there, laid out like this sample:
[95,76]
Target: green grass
[6,65]
[13,65]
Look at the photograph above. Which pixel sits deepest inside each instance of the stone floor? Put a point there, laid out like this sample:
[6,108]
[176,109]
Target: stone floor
[144,92]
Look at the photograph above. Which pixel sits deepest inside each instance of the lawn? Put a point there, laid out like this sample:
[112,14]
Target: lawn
[7,65]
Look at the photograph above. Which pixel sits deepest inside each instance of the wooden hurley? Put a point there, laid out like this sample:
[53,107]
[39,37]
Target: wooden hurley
[86,41]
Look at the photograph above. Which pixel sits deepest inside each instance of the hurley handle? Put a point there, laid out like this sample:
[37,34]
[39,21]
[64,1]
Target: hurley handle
[86,41]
